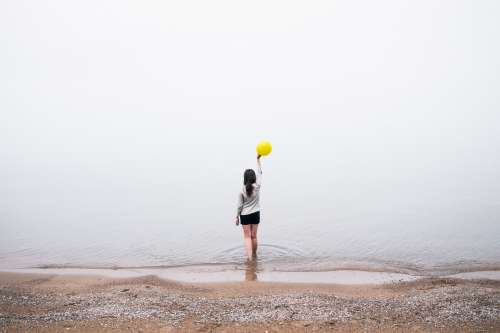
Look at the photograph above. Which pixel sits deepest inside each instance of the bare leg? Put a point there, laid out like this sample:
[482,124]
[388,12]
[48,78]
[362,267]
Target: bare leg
[253,229]
[247,236]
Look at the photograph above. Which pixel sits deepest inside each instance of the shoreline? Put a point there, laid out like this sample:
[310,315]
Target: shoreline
[208,274]
[251,272]
[97,303]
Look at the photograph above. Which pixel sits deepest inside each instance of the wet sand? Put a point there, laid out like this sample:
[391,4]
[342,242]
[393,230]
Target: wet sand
[92,303]
[230,273]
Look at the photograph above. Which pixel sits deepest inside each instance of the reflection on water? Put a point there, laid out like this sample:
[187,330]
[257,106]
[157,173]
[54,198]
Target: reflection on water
[251,268]
[278,257]
[404,248]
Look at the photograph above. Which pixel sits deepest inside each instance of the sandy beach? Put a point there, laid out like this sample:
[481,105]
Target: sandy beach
[77,303]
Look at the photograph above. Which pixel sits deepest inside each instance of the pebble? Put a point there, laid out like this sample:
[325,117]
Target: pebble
[447,304]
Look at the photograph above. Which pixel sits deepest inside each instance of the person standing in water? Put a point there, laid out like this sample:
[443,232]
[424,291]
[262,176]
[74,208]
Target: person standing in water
[248,211]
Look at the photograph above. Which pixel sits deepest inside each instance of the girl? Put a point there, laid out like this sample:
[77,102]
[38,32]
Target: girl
[249,210]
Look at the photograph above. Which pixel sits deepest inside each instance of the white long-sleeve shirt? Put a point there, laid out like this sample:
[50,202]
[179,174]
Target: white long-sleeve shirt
[248,205]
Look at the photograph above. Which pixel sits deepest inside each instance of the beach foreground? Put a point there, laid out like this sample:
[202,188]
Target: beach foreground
[64,303]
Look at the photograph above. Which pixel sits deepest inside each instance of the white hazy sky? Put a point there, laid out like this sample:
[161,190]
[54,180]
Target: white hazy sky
[151,110]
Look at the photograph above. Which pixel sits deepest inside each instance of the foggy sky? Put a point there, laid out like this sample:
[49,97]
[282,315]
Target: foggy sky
[147,112]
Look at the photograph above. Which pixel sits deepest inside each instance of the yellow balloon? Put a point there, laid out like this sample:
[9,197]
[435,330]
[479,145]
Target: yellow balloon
[264,148]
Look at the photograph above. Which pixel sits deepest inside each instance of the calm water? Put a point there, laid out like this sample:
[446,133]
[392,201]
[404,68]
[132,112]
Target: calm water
[389,239]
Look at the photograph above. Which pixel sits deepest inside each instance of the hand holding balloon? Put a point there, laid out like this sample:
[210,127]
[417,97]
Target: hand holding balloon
[264,148]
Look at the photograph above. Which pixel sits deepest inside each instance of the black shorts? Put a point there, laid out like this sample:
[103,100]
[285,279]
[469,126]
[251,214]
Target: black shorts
[253,218]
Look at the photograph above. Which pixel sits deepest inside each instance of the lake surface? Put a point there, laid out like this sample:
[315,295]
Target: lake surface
[383,240]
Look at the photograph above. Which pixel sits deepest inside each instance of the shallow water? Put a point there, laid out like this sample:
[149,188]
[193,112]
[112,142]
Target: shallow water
[415,250]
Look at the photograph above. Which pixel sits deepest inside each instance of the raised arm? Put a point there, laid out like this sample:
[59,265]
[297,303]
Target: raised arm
[259,170]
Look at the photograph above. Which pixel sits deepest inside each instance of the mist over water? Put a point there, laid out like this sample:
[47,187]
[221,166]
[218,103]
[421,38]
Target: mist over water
[124,133]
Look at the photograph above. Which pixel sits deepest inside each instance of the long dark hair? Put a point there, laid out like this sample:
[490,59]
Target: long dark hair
[248,179]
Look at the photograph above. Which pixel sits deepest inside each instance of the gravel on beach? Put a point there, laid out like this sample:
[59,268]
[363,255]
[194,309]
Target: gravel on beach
[433,304]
